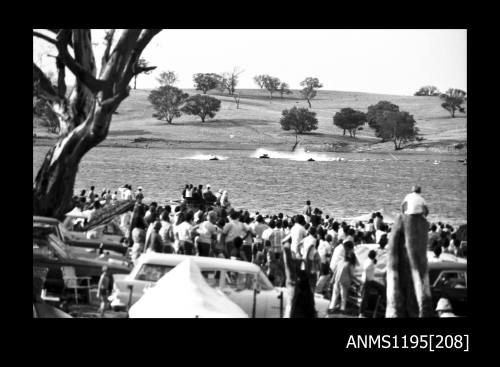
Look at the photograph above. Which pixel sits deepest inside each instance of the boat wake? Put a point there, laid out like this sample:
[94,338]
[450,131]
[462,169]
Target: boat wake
[300,154]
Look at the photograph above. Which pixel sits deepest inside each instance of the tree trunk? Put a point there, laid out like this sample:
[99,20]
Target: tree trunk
[309,102]
[202,118]
[354,133]
[344,133]
[135,82]
[452,112]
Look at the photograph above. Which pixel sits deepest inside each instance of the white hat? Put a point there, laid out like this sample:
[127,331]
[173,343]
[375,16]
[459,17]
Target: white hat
[139,188]
[208,186]
[444,305]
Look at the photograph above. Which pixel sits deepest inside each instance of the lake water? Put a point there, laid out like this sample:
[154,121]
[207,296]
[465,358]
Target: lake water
[358,184]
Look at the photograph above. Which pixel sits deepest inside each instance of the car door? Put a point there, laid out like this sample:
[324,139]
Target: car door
[239,288]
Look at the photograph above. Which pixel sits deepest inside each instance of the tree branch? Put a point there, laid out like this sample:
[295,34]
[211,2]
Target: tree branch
[109,41]
[44,37]
[139,69]
[63,39]
[42,85]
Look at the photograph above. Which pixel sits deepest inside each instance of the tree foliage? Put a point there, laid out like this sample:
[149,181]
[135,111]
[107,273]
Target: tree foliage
[375,114]
[300,120]
[350,120]
[167,102]
[284,88]
[309,91]
[202,106]
[144,65]
[206,82]
[391,124]
[453,100]
[167,78]
[47,117]
[428,90]
[259,80]
[272,84]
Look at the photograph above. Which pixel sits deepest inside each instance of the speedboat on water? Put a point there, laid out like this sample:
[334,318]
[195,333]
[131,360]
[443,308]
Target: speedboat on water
[264,156]
[311,160]
[214,158]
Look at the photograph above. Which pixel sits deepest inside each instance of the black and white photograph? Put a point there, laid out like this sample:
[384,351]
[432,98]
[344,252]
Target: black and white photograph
[250,173]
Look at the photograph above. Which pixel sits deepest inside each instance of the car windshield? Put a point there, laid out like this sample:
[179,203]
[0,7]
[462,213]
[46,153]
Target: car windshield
[153,273]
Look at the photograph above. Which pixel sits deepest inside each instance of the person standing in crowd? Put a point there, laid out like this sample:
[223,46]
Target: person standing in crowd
[369,282]
[108,197]
[236,253]
[382,231]
[139,194]
[312,258]
[296,235]
[308,211]
[325,255]
[433,237]
[232,230]
[258,228]
[207,235]
[344,276]
[92,194]
[209,197]
[302,305]
[138,238]
[219,245]
[453,248]
[154,242]
[248,239]
[166,233]
[224,200]
[150,222]
[184,234]
[189,192]
[127,193]
[104,288]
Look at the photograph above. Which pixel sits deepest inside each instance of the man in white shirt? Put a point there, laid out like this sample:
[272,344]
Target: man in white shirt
[414,203]
[207,232]
[309,241]
[297,235]
[231,230]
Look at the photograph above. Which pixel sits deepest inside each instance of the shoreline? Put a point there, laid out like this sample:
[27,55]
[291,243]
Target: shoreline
[427,148]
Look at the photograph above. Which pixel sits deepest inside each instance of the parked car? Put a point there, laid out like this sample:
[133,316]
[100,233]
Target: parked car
[50,253]
[106,234]
[447,278]
[237,279]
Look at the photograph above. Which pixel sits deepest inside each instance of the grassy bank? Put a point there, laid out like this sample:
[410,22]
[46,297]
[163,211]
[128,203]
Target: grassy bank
[256,124]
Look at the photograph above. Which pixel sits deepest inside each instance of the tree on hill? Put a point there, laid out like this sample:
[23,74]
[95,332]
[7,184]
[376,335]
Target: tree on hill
[309,91]
[85,116]
[300,120]
[350,120]
[396,126]
[284,88]
[167,102]
[142,64]
[167,78]
[271,83]
[202,106]
[259,80]
[375,114]
[206,82]
[229,81]
[453,100]
[428,90]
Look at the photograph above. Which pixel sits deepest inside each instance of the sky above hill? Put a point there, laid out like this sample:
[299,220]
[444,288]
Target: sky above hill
[374,61]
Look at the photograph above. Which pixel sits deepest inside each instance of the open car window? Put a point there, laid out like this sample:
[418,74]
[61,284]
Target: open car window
[451,280]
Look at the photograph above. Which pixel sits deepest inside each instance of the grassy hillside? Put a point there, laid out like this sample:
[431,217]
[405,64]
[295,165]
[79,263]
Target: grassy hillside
[256,123]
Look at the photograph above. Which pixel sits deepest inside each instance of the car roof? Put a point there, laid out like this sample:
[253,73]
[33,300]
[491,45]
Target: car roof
[174,259]
[45,219]
[447,265]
